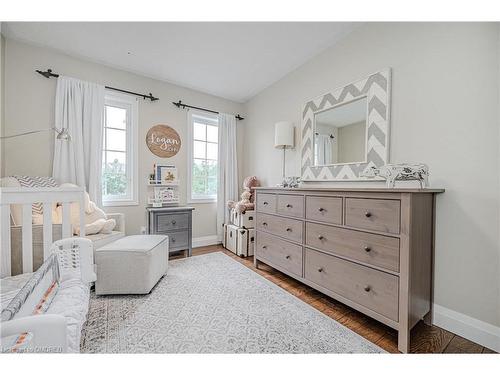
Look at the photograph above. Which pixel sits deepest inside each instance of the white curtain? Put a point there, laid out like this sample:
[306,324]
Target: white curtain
[228,169]
[324,144]
[79,109]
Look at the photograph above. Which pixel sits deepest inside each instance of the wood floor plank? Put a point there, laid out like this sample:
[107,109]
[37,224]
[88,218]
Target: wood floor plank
[460,345]
[424,338]
[488,351]
[389,341]
[429,339]
[364,326]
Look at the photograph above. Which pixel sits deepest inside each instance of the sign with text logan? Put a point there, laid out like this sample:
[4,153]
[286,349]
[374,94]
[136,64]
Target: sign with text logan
[163,141]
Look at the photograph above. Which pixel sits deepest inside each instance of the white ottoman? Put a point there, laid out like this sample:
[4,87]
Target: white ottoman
[131,265]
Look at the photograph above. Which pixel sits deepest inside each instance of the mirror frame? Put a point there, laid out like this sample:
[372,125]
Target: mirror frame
[376,87]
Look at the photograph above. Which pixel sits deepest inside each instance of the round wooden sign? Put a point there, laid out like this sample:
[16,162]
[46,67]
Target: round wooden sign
[163,141]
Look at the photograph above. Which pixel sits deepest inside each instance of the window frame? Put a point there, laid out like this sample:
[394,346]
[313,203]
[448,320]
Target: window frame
[130,103]
[213,119]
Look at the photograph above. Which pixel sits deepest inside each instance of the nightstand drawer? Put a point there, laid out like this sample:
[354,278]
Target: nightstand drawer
[178,240]
[167,222]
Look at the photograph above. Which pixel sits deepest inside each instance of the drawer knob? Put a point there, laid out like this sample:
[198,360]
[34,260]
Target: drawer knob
[320,237]
[288,205]
[367,288]
[368,214]
[368,249]
[264,224]
[321,209]
[320,269]
[173,222]
[288,229]
[287,257]
[265,203]
[264,247]
[173,239]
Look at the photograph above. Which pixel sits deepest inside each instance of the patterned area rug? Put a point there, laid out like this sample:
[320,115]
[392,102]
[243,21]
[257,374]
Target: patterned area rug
[213,304]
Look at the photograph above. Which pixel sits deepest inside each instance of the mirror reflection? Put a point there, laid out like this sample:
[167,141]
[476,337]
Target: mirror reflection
[340,134]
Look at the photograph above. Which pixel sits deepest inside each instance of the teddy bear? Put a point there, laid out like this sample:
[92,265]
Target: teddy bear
[96,220]
[247,197]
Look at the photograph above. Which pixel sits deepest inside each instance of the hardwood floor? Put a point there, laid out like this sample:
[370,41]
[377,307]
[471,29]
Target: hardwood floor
[425,339]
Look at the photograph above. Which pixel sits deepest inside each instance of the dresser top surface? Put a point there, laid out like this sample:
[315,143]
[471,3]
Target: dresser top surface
[364,190]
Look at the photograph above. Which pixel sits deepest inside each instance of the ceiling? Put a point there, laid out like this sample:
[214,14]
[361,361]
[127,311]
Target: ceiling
[231,60]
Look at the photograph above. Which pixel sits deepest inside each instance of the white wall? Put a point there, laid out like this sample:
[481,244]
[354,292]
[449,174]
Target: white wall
[30,105]
[445,99]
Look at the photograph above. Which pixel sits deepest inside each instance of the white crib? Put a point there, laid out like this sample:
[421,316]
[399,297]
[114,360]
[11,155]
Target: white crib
[26,197]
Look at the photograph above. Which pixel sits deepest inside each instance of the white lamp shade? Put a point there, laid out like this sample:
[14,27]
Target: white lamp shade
[284,134]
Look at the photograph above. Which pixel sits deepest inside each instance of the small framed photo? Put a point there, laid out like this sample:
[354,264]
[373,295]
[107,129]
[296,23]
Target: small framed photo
[166,174]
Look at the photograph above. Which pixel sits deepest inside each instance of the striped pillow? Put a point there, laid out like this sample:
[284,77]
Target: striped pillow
[34,182]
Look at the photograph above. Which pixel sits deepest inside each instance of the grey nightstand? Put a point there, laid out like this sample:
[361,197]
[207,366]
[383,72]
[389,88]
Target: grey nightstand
[175,222]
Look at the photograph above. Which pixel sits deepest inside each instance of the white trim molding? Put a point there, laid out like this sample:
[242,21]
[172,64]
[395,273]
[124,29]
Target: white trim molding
[205,241]
[472,329]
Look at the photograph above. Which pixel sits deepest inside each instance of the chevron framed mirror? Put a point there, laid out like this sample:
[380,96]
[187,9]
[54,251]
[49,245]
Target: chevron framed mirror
[346,132]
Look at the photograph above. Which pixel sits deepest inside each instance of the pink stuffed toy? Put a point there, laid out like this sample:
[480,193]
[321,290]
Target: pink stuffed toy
[247,197]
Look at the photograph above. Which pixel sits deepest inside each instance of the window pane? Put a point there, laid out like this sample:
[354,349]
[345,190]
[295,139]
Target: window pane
[116,117]
[199,131]
[116,160]
[212,186]
[212,133]
[116,139]
[199,150]
[198,182]
[211,169]
[212,150]
[114,178]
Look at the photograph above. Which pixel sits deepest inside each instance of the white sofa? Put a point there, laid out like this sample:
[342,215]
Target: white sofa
[58,327]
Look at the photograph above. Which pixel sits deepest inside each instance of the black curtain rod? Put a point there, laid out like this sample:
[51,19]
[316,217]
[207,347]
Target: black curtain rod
[180,104]
[49,74]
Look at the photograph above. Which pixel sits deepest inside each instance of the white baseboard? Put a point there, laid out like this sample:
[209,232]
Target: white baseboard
[475,330]
[205,241]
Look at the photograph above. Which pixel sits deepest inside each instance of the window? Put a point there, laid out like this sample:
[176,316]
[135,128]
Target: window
[119,151]
[203,154]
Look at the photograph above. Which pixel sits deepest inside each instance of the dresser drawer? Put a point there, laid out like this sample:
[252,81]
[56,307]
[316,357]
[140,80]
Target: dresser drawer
[178,240]
[167,222]
[376,290]
[290,205]
[279,252]
[266,202]
[327,209]
[290,229]
[374,249]
[382,215]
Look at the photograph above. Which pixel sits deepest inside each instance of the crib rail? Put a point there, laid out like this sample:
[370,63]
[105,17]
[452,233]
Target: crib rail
[26,197]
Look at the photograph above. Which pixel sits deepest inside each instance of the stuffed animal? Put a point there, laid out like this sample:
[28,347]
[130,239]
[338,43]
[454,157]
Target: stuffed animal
[247,197]
[96,220]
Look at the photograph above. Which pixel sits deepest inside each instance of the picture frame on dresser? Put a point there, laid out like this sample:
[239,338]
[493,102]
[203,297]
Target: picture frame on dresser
[369,248]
